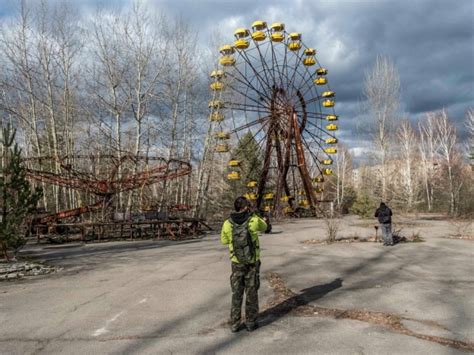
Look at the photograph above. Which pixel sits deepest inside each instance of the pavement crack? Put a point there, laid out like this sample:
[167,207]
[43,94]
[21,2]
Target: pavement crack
[197,268]
[76,307]
[285,301]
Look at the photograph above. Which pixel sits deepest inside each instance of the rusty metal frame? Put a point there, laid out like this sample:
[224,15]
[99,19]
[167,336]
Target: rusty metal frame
[104,188]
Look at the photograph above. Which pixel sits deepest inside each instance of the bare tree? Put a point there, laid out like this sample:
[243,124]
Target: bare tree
[139,88]
[447,149]
[17,77]
[343,173]
[382,91]
[177,98]
[206,169]
[56,50]
[147,54]
[110,69]
[427,149]
[470,129]
[39,83]
[408,141]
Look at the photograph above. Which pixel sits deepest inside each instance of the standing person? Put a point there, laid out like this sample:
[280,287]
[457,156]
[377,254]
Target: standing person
[240,232]
[384,215]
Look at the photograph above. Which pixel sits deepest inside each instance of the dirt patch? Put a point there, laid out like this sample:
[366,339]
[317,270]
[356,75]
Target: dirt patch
[460,237]
[340,240]
[209,331]
[286,302]
[19,269]
[399,224]
[415,238]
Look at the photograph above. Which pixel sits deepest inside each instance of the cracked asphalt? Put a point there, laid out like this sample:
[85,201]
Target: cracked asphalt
[160,297]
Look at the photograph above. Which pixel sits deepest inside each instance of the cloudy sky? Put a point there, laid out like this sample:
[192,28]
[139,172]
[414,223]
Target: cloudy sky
[430,42]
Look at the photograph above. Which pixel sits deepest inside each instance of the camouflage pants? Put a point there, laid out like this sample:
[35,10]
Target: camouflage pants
[245,278]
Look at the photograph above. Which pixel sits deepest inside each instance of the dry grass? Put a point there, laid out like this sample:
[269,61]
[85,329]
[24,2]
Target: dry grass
[332,227]
[463,229]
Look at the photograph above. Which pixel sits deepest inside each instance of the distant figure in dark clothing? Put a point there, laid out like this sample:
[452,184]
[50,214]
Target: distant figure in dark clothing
[384,215]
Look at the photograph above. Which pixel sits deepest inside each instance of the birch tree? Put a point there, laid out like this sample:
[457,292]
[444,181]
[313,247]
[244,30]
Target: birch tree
[109,69]
[56,49]
[449,154]
[469,123]
[382,92]
[147,54]
[343,173]
[206,168]
[39,83]
[178,92]
[19,91]
[427,149]
[408,187]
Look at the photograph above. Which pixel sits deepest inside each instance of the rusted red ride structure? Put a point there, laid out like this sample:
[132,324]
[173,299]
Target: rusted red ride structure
[104,176]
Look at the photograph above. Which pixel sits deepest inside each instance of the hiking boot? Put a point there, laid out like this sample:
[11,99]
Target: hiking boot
[234,328]
[251,327]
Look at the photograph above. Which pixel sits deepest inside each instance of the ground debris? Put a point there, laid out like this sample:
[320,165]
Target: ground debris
[285,301]
[21,268]
[341,240]
[462,237]
[415,238]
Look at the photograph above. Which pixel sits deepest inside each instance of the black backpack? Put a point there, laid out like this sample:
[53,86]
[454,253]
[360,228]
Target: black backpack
[384,215]
[244,250]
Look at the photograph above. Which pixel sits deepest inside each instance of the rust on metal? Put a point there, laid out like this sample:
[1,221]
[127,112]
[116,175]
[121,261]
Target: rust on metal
[105,176]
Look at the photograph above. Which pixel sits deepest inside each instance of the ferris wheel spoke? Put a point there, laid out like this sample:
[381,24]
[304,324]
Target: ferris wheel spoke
[249,84]
[295,70]
[248,57]
[315,158]
[261,80]
[266,167]
[315,99]
[316,117]
[257,153]
[274,62]
[236,105]
[311,79]
[248,125]
[243,107]
[308,87]
[245,95]
[264,64]
[313,114]
[322,130]
[319,144]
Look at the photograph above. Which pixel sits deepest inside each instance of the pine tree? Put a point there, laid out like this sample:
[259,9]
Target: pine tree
[17,198]
[251,164]
[364,205]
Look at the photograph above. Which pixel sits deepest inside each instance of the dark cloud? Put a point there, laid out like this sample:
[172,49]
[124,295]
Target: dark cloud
[431,42]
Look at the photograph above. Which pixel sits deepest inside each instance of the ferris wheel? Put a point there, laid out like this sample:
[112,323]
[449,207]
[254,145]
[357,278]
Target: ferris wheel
[270,92]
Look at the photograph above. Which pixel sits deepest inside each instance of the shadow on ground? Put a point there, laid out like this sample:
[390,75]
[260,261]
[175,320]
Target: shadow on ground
[308,295]
[51,253]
